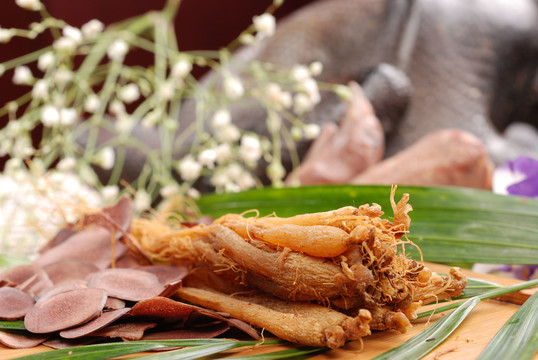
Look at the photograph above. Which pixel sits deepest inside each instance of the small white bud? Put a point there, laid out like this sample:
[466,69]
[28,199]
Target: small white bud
[68,116]
[193,193]
[300,73]
[168,191]
[316,68]
[63,76]
[116,107]
[72,33]
[311,131]
[92,103]
[181,68]
[189,169]
[6,35]
[65,44]
[50,116]
[228,134]
[207,158]
[22,75]
[275,171]
[250,148]
[221,118]
[265,25]
[92,28]
[33,5]
[106,158]
[45,61]
[41,89]
[223,153]
[117,50]
[129,93]
[302,104]
[110,193]
[66,164]
[142,201]
[233,88]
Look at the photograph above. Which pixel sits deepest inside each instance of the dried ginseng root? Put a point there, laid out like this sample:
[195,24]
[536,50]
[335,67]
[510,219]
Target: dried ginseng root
[350,260]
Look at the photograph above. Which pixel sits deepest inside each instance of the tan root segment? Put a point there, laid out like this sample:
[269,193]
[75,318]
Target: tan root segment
[349,261]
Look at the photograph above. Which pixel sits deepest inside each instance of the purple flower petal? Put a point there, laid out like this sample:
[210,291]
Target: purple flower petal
[527,187]
[517,177]
[525,165]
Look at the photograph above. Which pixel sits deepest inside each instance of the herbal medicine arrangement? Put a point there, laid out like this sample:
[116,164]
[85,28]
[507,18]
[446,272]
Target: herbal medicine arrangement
[363,282]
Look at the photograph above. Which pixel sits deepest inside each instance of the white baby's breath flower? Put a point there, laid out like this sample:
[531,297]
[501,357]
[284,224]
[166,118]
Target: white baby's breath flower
[189,169]
[45,61]
[247,39]
[265,25]
[22,75]
[316,68]
[233,88]
[310,87]
[246,181]
[221,118]
[228,134]
[110,193]
[92,28]
[169,190]
[40,90]
[181,68]
[105,158]
[193,193]
[72,33]
[286,99]
[66,164]
[117,50]
[223,153]
[250,149]
[116,107]
[33,5]
[92,103]
[6,35]
[142,201]
[302,104]
[68,116]
[311,131]
[50,116]
[65,44]
[207,158]
[300,73]
[63,76]
[129,93]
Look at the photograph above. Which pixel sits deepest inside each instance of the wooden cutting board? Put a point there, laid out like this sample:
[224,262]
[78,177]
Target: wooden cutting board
[467,341]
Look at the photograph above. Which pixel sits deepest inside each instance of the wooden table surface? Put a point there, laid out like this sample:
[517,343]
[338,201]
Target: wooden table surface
[467,341]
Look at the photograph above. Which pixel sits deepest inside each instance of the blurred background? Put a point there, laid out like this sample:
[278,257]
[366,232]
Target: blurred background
[200,25]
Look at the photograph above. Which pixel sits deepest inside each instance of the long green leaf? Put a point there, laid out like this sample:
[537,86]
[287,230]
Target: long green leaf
[518,338]
[427,340]
[12,325]
[110,350]
[486,295]
[448,224]
[195,352]
[294,353]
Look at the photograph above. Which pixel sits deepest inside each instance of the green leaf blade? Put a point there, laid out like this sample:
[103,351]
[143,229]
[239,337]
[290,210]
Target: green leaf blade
[518,338]
[427,340]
